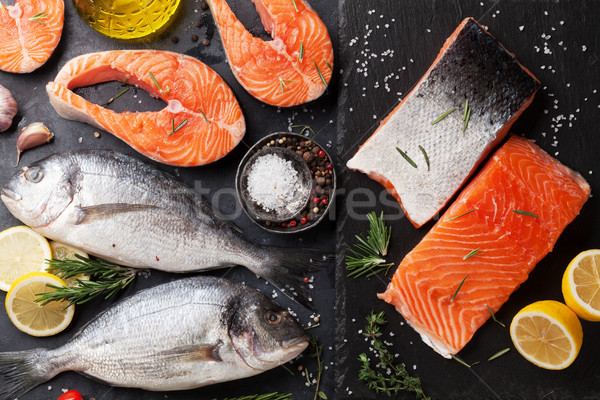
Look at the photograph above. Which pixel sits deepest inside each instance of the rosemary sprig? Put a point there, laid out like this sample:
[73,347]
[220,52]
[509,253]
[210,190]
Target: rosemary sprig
[444,115]
[527,213]
[295,6]
[3,7]
[472,253]
[282,83]
[181,125]
[385,377]
[466,115]
[368,254]
[406,157]
[460,360]
[459,287]
[266,396]
[463,214]
[500,353]
[106,279]
[37,17]
[204,115]
[426,157]
[121,93]
[466,108]
[328,65]
[304,128]
[301,52]
[320,74]
[166,91]
[316,351]
[494,317]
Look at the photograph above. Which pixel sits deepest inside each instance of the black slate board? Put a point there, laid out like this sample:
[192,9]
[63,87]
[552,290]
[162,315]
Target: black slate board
[215,182]
[388,44]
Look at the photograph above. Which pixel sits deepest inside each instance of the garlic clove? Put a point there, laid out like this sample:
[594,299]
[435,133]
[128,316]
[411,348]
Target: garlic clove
[31,136]
[8,108]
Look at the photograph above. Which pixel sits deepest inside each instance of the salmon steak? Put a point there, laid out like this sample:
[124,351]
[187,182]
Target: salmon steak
[30,31]
[429,145]
[486,244]
[201,123]
[293,68]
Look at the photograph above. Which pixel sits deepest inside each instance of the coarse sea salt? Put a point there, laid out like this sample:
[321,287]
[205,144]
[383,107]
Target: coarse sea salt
[272,182]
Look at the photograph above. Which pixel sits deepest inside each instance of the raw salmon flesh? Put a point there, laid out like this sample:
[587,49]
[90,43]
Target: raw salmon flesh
[29,33]
[201,123]
[471,66]
[502,224]
[294,68]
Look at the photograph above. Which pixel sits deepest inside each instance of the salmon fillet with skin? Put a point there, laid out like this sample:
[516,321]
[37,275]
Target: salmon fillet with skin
[482,238]
[292,69]
[201,123]
[471,66]
[29,32]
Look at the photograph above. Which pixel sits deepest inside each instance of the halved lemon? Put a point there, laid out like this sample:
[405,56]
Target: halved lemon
[547,333]
[581,285]
[34,318]
[22,250]
[61,251]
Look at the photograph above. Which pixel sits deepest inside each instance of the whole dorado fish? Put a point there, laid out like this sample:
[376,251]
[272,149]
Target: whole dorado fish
[180,335]
[115,207]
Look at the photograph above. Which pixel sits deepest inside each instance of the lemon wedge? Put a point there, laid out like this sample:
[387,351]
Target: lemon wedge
[31,317]
[61,251]
[22,250]
[547,333]
[581,285]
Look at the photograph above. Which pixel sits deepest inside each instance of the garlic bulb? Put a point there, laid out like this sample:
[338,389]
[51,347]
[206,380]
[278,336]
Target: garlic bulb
[8,108]
[31,136]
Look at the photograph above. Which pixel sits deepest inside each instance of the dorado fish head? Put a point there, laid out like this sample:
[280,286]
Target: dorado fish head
[262,333]
[39,193]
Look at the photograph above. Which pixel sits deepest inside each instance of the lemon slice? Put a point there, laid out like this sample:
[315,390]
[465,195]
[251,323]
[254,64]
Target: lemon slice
[31,317]
[61,251]
[22,250]
[581,285]
[547,333]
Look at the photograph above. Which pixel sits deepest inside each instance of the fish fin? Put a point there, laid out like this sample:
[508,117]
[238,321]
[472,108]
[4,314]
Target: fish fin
[86,214]
[21,371]
[195,352]
[287,269]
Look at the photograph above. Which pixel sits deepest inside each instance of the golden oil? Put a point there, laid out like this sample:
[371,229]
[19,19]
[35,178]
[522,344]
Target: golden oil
[126,19]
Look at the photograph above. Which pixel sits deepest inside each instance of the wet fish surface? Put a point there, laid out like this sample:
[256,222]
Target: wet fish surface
[125,211]
[179,335]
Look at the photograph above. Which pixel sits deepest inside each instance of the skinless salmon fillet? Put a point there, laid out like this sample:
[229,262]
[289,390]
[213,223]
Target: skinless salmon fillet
[293,68]
[29,32]
[201,123]
[482,238]
[471,66]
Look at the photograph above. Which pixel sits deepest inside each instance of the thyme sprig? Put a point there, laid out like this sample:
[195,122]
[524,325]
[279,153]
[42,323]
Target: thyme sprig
[106,279]
[386,376]
[37,17]
[266,396]
[368,255]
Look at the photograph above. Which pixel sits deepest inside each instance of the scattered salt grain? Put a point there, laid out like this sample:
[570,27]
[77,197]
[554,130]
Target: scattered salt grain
[522,27]
[272,182]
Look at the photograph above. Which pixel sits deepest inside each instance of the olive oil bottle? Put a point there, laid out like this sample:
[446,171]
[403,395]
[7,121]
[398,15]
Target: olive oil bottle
[126,19]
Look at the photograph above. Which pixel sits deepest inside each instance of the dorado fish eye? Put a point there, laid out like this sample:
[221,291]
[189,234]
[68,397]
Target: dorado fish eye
[272,318]
[34,174]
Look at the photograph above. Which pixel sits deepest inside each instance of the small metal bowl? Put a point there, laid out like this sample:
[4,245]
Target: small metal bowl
[272,221]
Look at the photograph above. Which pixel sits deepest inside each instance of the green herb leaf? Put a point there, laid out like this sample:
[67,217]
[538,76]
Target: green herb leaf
[181,125]
[494,317]
[459,360]
[462,215]
[466,115]
[121,93]
[466,110]
[320,74]
[472,253]
[37,17]
[105,279]
[459,286]
[322,396]
[406,157]
[444,115]
[166,93]
[295,6]
[304,128]
[527,213]
[267,396]
[498,354]
[328,65]
[301,52]
[282,83]
[367,256]
[204,115]
[426,157]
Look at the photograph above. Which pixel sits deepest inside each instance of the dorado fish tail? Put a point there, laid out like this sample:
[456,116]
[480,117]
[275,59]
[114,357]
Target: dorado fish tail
[287,269]
[21,371]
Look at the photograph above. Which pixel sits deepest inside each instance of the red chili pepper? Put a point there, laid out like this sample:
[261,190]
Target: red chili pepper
[293,223]
[71,395]
[303,220]
[321,153]
[324,201]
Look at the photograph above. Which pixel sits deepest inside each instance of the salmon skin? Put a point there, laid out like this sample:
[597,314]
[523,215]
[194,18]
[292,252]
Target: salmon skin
[30,31]
[502,224]
[294,68]
[471,66]
[201,123]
